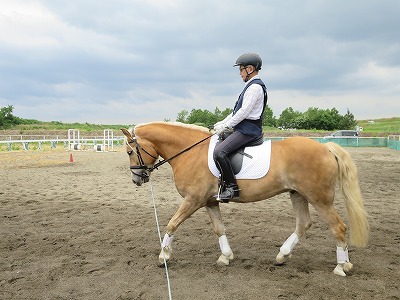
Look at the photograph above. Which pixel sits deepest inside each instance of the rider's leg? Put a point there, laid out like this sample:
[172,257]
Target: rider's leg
[231,144]
[224,165]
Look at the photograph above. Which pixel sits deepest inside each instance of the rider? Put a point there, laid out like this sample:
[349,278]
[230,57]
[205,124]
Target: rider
[245,120]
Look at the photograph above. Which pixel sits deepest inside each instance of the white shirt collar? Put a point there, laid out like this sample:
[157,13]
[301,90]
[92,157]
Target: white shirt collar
[251,79]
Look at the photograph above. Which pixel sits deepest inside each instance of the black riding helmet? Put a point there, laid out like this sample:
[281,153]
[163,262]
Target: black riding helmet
[249,59]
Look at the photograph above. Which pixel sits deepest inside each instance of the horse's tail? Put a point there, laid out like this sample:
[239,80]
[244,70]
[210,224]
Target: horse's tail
[349,185]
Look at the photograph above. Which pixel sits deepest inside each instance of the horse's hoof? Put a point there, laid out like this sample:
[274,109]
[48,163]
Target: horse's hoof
[339,270]
[347,266]
[224,260]
[281,258]
[164,256]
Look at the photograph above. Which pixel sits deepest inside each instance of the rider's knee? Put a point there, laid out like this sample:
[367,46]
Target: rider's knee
[220,155]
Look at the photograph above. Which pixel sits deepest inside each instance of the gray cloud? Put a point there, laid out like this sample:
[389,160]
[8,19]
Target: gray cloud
[138,61]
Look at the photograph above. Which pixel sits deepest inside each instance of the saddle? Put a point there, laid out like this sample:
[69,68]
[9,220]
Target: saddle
[236,157]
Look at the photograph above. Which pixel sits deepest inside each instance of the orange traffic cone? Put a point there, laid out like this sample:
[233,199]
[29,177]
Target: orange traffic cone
[71,159]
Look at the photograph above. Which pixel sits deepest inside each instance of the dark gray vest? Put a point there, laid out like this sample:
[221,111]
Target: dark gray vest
[250,127]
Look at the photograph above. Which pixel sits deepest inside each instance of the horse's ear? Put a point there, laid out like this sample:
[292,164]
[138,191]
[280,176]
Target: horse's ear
[126,133]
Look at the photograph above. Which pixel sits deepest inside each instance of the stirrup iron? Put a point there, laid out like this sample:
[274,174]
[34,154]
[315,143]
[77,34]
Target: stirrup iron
[227,194]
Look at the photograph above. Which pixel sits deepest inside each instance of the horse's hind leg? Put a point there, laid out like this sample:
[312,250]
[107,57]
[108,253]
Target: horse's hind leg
[219,228]
[338,228]
[303,222]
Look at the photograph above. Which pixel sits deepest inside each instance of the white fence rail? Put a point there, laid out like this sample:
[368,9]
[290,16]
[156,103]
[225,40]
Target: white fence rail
[74,141]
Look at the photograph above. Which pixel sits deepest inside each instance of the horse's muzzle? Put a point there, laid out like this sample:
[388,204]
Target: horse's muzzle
[140,177]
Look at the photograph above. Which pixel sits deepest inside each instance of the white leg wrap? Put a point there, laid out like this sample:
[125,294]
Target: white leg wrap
[224,245]
[167,241]
[289,244]
[342,255]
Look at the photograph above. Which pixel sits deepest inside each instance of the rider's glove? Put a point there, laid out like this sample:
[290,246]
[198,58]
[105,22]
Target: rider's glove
[219,128]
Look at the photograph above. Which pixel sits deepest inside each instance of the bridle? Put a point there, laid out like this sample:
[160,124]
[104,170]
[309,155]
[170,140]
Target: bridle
[146,170]
[144,175]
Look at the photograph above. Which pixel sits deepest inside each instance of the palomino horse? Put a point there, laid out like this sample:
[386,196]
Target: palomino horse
[305,168]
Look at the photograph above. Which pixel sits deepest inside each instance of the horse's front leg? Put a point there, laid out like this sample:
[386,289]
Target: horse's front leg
[215,215]
[303,222]
[186,209]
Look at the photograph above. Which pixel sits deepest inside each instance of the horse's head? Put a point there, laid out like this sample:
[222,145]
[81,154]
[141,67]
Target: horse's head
[142,156]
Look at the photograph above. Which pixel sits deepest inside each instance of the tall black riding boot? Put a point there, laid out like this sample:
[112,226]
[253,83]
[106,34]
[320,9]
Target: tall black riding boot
[228,179]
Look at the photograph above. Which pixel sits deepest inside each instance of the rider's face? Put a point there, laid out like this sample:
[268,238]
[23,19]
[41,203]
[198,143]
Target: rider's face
[245,71]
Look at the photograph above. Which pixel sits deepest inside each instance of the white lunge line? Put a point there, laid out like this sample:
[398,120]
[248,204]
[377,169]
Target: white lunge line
[161,242]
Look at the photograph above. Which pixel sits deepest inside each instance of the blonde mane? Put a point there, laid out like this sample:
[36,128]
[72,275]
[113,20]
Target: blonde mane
[191,126]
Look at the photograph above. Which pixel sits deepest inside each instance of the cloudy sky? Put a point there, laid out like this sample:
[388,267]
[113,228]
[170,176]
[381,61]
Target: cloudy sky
[128,61]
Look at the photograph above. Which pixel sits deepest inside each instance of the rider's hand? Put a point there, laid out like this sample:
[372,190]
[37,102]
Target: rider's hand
[219,128]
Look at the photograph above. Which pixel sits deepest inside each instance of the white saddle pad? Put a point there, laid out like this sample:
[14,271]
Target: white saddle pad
[253,167]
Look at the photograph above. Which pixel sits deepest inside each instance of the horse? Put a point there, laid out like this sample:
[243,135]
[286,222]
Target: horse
[308,170]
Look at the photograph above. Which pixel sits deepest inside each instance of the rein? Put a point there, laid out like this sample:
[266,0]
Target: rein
[143,166]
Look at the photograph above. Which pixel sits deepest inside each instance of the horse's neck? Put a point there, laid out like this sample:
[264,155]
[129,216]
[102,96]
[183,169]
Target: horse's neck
[169,142]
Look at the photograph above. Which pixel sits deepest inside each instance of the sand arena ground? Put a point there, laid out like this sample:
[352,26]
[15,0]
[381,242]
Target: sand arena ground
[82,231]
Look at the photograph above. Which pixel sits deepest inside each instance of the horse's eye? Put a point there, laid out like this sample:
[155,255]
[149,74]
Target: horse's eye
[130,153]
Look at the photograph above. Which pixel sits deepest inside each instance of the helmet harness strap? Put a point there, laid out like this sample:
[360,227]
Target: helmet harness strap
[248,74]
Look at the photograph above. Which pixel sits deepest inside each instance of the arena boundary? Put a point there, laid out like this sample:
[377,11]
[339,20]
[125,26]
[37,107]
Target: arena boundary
[74,141]
[392,141]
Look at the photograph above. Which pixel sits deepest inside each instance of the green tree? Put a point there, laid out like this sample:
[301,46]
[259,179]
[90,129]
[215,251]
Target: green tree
[217,113]
[316,118]
[313,118]
[268,117]
[287,119]
[347,121]
[182,116]
[7,119]
[320,119]
[310,118]
[201,117]
[225,113]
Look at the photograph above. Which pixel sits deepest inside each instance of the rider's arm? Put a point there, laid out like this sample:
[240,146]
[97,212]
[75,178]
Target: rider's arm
[227,118]
[253,102]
